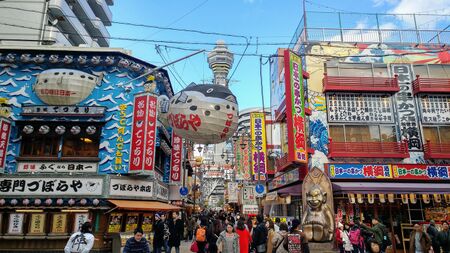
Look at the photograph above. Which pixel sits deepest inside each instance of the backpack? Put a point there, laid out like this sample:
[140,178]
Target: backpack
[386,239]
[78,243]
[200,235]
[354,236]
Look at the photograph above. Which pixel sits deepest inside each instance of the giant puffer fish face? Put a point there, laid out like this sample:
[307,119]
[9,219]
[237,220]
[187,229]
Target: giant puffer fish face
[205,114]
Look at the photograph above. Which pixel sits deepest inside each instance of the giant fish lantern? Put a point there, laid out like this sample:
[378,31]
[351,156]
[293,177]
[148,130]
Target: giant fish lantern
[204,114]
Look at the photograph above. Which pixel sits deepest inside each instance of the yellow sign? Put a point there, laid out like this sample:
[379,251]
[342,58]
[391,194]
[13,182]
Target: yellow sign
[115,223]
[132,222]
[147,223]
[37,224]
[259,152]
[59,223]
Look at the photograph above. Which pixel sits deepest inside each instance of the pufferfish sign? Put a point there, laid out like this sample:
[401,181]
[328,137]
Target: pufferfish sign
[204,113]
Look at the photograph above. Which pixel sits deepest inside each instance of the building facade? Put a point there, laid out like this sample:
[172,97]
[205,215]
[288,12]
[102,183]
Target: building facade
[73,150]
[55,22]
[378,124]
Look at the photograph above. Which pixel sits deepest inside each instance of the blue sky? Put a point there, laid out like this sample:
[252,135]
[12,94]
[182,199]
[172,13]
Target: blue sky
[265,21]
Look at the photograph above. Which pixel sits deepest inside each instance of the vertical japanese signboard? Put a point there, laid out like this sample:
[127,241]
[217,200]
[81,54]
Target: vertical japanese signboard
[232,192]
[59,223]
[409,127]
[15,223]
[295,108]
[5,128]
[143,140]
[115,223]
[80,219]
[37,224]
[259,152]
[176,158]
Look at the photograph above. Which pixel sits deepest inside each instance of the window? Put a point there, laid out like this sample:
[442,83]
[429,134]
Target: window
[40,145]
[363,133]
[76,146]
[432,70]
[356,69]
[437,134]
[435,109]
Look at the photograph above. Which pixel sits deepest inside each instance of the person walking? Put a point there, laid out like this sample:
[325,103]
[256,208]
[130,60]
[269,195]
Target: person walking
[245,239]
[212,235]
[270,234]
[137,243]
[191,223]
[82,241]
[278,241]
[433,234]
[161,233]
[377,230]
[200,235]
[176,230]
[295,229]
[228,241]
[355,238]
[419,242]
[444,238]
[259,236]
[347,244]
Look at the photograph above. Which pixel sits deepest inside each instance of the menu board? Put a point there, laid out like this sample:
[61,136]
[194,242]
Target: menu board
[15,223]
[132,222]
[80,219]
[59,223]
[294,243]
[147,222]
[37,223]
[115,223]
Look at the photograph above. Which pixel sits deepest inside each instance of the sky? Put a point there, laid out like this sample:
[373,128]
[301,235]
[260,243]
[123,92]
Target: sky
[265,24]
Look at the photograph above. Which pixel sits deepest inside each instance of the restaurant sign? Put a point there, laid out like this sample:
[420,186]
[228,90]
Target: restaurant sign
[389,171]
[284,179]
[44,186]
[66,111]
[44,167]
[129,187]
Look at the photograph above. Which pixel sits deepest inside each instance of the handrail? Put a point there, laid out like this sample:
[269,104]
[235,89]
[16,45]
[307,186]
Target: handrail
[436,150]
[368,149]
[421,84]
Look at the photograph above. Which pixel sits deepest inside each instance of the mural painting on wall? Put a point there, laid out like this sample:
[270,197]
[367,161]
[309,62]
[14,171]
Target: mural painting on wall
[361,53]
[30,83]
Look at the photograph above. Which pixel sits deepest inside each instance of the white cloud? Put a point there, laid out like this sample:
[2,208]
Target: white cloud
[377,3]
[441,7]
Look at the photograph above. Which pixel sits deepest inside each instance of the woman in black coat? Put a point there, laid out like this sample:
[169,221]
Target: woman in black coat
[176,228]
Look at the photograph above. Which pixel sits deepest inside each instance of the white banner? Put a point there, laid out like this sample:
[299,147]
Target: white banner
[250,209]
[15,223]
[248,195]
[130,187]
[232,192]
[51,186]
[38,167]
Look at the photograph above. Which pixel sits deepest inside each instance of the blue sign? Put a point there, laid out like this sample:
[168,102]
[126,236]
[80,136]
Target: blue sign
[184,191]
[259,188]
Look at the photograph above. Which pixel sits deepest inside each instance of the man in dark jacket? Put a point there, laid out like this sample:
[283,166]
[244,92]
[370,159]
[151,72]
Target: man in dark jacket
[259,236]
[377,230]
[418,240]
[137,244]
[433,234]
[160,233]
[444,238]
[176,229]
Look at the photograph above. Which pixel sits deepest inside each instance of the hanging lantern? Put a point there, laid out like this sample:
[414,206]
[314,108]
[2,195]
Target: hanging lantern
[59,202]
[82,59]
[426,198]
[44,129]
[75,130]
[14,202]
[91,130]
[351,198]
[64,86]
[412,198]
[382,198]
[95,202]
[447,198]
[370,198]
[71,202]
[28,129]
[404,198]
[48,202]
[205,114]
[60,130]
[391,197]
[83,202]
[2,202]
[26,202]
[437,198]
[37,202]
[360,199]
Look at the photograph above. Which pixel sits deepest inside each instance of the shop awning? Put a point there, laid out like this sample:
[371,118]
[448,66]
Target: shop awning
[143,205]
[390,187]
[293,190]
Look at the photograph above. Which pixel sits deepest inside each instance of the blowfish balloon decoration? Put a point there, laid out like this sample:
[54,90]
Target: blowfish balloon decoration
[205,113]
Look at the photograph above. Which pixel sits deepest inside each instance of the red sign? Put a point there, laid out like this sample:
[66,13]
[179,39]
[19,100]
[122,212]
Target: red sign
[421,171]
[5,127]
[138,133]
[150,133]
[175,160]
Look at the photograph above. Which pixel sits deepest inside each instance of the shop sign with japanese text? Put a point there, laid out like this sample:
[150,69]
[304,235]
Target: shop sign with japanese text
[130,187]
[143,140]
[258,147]
[233,192]
[15,223]
[409,125]
[176,158]
[49,186]
[359,171]
[248,195]
[295,107]
[49,167]
[119,162]
[161,191]
[5,129]
[37,223]
[284,179]
[66,111]
[421,171]
[59,223]
[80,219]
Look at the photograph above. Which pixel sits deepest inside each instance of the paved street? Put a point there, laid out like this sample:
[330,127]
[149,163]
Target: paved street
[185,247]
